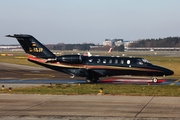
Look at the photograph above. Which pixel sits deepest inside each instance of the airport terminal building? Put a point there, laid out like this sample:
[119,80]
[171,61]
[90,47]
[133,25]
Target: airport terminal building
[113,42]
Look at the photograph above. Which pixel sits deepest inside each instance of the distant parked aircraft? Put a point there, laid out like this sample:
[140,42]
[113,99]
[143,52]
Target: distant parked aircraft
[110,50]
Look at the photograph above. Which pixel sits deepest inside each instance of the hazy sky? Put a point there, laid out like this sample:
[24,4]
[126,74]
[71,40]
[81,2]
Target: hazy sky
[78,21]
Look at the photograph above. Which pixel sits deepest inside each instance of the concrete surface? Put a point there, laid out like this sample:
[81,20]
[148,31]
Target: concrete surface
[24,106]
[14,71]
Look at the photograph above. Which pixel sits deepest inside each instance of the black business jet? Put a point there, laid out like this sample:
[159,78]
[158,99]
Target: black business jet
[91,67]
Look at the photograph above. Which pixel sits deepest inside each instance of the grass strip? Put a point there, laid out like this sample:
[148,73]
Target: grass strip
[93,89]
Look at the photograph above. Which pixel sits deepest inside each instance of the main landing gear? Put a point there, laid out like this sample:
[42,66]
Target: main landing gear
[92,77]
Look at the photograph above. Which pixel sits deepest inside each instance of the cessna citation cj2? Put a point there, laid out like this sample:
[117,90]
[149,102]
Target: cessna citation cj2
[91,67]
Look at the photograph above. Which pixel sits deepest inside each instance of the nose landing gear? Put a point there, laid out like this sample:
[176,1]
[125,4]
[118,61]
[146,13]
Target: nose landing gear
[154,79]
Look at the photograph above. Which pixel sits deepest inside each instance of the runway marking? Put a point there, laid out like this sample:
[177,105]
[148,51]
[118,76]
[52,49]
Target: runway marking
[23,79]
[175,82]
[45,75]
[31,106]
[144,106]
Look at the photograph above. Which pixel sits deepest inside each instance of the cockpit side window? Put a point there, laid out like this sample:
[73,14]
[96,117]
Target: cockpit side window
[139,62]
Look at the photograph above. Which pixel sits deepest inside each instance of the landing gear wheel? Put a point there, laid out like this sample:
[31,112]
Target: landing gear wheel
[91,81]
[154,79]
[92,77]
[88,81]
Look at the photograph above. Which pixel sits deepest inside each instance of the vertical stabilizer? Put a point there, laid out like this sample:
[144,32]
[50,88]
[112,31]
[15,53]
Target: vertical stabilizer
[32,46]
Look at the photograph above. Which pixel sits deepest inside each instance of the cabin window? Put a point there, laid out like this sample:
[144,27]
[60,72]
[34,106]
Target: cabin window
[122,61]
[116,61]
[110,61]
[90,60]
[104,61]
[128,62]
[98,60]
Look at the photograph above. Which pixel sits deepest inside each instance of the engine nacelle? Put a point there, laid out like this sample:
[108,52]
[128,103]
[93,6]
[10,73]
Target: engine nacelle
[72,59]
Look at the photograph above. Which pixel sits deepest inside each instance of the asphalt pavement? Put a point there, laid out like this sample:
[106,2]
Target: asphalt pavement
[19,106]
[75,107]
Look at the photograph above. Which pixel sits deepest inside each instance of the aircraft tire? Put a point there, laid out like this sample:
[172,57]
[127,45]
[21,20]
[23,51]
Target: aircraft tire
[154,79]
[91,80]
[88,81]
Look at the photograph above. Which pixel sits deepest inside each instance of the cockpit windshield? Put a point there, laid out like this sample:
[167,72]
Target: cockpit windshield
[145,61]
[142,61]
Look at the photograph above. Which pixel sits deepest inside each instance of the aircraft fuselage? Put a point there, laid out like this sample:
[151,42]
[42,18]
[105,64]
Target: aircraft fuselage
[102,66]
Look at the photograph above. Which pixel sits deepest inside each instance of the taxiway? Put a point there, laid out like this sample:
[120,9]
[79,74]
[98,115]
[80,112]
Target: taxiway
[28,75]
[47,107]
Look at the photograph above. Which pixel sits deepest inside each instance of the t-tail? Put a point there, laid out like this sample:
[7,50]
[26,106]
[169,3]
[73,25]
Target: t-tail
[32,46]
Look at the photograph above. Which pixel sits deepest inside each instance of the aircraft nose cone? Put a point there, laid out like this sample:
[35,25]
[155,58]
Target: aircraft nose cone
[164,71]
[168,72]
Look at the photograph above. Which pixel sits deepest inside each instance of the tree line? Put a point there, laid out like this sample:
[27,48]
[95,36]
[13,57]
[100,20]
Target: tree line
[161,42]
[83,47]
[62,46]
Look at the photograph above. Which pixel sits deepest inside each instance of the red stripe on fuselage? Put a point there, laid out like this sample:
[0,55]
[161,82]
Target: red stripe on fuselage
[128,80]
[33,58]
